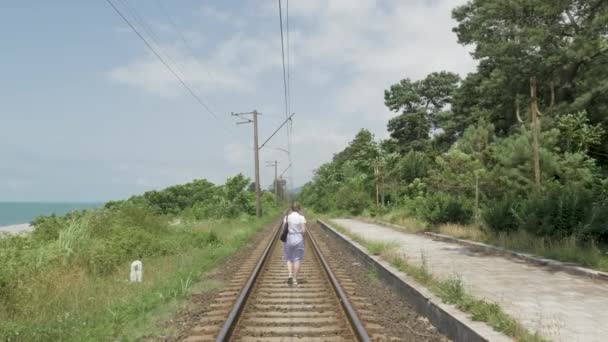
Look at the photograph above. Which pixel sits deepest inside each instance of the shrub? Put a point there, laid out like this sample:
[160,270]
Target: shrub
[499,215]
[136,217]
[100,258]
[351,200]
[47,227]
[441,207]
[597,229]
[558,212]
[378,210]
[413,165]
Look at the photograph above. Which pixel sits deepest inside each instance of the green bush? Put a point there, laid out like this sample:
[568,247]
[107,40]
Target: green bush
[100,258]
[375,210]
[47,227]
[413,165]
[351,200]
[557,213]
[499,215]
[200,200]
[439,207]
[597,229]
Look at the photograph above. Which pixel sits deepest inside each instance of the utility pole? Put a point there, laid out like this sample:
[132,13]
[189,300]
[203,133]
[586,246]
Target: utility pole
[256,152]
[377,177]
[258,202]
[477,196]
[275,164]
[535,132]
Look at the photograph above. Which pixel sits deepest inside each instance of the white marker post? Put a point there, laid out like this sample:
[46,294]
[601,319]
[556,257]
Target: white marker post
[137,272]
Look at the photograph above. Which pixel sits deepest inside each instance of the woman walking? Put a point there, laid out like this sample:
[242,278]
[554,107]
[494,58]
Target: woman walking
[294,245]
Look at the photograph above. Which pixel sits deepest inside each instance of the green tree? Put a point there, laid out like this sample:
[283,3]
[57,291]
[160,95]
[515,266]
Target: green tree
[421,104]
[360,150]
[577,134]
[455,173]
[561,42]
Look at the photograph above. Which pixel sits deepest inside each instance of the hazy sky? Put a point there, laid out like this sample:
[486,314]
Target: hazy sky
[88,113]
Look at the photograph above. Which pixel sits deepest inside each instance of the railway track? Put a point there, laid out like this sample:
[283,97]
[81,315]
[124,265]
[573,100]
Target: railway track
[268,309]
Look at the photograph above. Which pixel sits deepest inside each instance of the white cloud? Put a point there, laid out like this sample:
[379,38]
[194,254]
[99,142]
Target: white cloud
[213,76]
[344,53]
[378,43]
[216,14]
[238,154]
[235,65]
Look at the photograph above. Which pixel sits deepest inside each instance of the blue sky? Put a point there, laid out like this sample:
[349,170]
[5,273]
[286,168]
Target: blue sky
[88,114]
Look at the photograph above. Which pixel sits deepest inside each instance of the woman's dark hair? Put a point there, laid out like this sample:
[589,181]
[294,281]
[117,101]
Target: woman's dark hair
[295,206]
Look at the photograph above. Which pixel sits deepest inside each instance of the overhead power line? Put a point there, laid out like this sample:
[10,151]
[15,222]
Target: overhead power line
[288,62]
[290,127]
[283,58]
[198,99]
[186,42]
[140,20]
[286,85]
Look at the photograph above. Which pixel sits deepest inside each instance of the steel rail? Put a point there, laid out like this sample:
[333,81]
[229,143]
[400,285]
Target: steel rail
[351,314]
[233,317]
[230,323]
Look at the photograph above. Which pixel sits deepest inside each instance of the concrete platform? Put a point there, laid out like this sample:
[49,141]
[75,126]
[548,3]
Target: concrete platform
[560,306]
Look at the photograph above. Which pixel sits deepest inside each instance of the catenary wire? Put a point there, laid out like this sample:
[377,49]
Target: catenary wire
[186,42]
[289,101]
[165,64]
[285,86]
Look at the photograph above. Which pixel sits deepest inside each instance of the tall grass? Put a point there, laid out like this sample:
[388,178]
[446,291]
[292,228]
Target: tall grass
[402,218]
[74,287]
[569,249]
[468,232]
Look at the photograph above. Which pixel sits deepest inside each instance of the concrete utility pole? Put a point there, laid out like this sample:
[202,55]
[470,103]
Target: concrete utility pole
[535,132]
[377,178]
[477,196]
[275,164]
[258,201]
[256,152]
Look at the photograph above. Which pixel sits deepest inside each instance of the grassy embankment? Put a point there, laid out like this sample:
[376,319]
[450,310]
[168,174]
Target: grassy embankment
[68,281]
[451,290]
[566,250]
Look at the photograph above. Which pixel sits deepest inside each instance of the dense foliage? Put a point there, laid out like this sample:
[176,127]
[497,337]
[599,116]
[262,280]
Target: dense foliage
[460,150]
[201,199]
[98,241]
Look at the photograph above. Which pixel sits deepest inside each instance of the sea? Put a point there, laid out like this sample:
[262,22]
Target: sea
[25,212]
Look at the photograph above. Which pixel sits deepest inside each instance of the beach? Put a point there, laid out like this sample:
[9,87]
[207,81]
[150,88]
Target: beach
[16,228]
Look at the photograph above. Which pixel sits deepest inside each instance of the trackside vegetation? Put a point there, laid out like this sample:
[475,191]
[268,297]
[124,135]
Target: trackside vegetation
[460,152]
[67,280]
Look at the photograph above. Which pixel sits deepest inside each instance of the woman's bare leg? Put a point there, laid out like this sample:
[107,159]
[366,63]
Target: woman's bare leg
[296,269]
[289,268]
